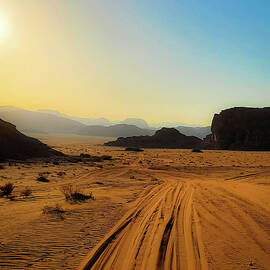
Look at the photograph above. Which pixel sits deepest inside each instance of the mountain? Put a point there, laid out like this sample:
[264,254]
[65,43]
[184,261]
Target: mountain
[30,121]
[120,130]
[163,138]
[200,132]
[169,125]
[15,145]
[85,121]
[136,122]
[50,121]
[240,128]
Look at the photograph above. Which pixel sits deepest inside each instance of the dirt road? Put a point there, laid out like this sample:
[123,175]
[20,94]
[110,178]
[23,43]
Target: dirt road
[190,224]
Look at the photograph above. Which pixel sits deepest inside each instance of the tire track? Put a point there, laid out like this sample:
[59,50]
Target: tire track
[161,232]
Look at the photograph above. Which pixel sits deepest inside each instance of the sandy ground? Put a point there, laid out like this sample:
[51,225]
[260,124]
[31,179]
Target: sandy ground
[158,209]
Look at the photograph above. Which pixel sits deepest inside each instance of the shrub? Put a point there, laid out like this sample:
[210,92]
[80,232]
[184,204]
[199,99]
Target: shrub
[72,193]
[2,167]
[56,163]
[54,210]
[26,192]
[7,189]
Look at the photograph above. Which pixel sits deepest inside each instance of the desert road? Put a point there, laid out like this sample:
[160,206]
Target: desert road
[190,225]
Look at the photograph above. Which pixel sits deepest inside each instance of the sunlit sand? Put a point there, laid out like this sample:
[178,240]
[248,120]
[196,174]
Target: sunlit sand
[157,209]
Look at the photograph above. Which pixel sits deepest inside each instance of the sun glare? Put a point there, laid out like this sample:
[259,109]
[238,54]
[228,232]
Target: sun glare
[3,28]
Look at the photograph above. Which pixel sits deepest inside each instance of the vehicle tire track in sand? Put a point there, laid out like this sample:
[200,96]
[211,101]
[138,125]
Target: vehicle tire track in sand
[161,232]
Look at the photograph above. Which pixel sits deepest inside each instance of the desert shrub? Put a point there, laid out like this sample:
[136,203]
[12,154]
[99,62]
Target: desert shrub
[56,163]
[54,210]
[43,179]
[72,193]
[26,192]
[196,150]
[2,167]
[7,189]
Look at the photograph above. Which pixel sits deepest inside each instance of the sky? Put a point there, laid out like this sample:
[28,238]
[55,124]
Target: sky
[175,60]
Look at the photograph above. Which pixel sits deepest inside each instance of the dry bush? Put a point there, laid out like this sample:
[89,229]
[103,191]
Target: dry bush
[72,193]
[54,210]
[2,167]
[7,189]
[26,192]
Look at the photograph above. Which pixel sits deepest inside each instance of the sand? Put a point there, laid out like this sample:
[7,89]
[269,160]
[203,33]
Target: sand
[159,209]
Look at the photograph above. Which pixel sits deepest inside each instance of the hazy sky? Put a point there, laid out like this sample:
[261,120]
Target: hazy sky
[179,60]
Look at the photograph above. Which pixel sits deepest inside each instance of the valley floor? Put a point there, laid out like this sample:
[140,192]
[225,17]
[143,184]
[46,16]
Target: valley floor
[158,209]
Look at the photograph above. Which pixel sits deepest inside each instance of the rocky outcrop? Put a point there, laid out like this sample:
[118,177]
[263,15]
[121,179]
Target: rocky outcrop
[15,145]
[240,128]
[163,138]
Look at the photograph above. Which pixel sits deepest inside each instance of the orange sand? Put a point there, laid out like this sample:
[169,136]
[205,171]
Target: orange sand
[159,209]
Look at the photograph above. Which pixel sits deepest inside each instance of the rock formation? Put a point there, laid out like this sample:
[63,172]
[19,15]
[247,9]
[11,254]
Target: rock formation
[15,145]
[240,128]
[163,138]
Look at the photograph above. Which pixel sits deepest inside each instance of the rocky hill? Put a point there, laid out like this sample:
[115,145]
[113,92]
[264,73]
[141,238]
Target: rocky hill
[240,128]
[163,138]
[15,145]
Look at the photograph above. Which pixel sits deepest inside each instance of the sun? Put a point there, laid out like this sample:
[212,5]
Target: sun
[3,28]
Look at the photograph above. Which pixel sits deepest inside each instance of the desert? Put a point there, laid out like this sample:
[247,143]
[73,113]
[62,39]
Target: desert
[206,210]
[134,135]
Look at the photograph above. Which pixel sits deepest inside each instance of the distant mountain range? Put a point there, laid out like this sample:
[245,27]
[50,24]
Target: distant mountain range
[49,121]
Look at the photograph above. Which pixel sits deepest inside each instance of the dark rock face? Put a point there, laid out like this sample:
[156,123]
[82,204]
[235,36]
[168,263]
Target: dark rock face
[240,129]
[15,145]
[163,138]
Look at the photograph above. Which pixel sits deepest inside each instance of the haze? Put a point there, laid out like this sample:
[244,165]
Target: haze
[178,61]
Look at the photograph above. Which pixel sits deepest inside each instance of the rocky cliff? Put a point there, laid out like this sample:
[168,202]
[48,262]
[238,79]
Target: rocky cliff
[240,128]
[163,138]
[15,145]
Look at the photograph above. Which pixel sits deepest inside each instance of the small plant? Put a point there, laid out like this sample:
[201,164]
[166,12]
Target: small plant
[56,163]
[26,192]
[7,189]
[72,193]
[54,210]
[2,167]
